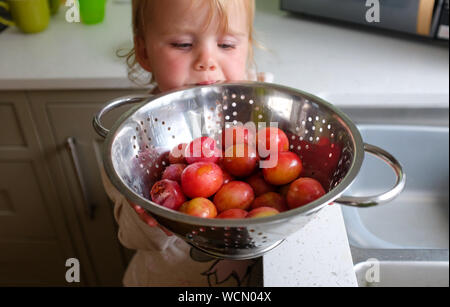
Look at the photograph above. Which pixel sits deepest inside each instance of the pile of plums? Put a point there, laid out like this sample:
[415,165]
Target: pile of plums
[208,180]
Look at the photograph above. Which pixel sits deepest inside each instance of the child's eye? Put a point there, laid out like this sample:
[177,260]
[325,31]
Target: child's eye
[226,46]
[181,45]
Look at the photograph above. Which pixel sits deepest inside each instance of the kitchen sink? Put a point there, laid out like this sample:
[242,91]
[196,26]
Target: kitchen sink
[404,242]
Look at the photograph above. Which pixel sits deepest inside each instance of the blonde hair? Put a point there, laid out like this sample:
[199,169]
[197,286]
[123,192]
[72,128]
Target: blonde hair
[139,75]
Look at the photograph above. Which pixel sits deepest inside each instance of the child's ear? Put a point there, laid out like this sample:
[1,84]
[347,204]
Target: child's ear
[141,54]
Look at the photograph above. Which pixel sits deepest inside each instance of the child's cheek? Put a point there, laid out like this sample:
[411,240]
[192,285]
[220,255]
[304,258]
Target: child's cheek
[177,63]
[172,70]
[236,68]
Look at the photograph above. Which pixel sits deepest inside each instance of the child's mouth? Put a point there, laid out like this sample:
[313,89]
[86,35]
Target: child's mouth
[206,83]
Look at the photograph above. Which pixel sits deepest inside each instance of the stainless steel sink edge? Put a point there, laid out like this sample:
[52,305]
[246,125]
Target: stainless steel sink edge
[363,254]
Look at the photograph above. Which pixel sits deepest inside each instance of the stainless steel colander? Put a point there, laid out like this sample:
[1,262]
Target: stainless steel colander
[332,150]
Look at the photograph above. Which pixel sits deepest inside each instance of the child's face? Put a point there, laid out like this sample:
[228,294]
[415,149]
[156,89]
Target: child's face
[180,48]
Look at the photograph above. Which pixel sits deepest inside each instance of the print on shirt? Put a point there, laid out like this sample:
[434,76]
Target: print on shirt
[222,270]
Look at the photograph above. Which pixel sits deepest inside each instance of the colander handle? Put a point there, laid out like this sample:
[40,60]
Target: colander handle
[113,104]
[369,201]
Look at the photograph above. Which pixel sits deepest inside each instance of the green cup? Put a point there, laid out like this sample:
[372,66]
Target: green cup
[30,16]
[92,11]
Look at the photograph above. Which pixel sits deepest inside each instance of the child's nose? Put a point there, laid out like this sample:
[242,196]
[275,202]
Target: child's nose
[205,62]
[205,67]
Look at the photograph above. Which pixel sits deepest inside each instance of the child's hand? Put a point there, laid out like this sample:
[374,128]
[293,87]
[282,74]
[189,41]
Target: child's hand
[147,219]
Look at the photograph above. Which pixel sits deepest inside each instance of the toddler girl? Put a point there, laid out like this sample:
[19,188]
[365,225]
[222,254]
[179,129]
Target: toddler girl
[183,43]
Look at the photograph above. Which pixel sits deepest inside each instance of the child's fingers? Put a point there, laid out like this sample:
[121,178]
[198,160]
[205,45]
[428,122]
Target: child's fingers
[147,219]
[143,215]
[137,208]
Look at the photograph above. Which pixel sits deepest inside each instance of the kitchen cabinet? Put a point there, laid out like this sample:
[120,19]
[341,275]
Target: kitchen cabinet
[34,237]
[52,203]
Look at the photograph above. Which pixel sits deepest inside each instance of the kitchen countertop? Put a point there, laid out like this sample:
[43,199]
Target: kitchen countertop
[316,256]
[344,65]
[347,65]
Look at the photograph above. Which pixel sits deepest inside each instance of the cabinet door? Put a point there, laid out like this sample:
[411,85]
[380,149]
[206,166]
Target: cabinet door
[34,237]
[68,115]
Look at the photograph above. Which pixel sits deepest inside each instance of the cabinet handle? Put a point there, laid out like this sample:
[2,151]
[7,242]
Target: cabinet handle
[71,146]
